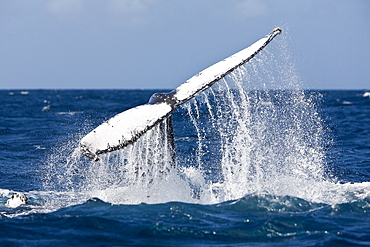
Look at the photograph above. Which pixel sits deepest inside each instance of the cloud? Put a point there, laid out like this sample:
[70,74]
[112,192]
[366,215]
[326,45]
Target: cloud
[128,6]
[113,12]
[66,8]
[129,12]
[250,8]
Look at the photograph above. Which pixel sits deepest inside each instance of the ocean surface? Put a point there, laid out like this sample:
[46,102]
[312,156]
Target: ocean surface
[40,130]
[258,161]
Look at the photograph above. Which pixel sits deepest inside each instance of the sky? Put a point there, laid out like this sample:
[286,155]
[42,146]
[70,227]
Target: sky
[159,44]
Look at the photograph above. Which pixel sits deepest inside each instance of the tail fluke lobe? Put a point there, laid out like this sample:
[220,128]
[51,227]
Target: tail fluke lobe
[123,129]
[209,76]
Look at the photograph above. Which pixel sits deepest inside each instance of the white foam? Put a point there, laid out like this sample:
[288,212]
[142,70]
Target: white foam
[4,192]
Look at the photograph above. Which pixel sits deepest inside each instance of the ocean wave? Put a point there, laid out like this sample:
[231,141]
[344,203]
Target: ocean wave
[252,219]
[334,195]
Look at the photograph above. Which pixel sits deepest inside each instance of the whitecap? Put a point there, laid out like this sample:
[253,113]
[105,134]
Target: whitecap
[46,108]
[39,147]
[4,192]
[71,113]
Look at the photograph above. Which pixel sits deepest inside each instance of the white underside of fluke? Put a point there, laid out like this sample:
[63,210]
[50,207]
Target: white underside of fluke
[123,128]
[126,127]
[201,81]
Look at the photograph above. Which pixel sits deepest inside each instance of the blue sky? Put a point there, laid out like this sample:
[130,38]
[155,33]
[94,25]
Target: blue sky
[146,44]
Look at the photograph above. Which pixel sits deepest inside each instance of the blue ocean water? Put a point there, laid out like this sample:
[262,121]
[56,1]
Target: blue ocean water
[40,127]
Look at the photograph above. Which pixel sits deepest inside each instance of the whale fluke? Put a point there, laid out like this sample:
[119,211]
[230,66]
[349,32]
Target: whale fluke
[126,127]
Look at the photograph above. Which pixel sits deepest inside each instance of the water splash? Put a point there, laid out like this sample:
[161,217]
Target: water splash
[255,132]
[269,131]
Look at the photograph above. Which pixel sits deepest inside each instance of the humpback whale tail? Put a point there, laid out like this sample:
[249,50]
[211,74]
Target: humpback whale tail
[126,127]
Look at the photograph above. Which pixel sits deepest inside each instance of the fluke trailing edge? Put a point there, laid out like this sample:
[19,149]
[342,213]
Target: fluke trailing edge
[126,127]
